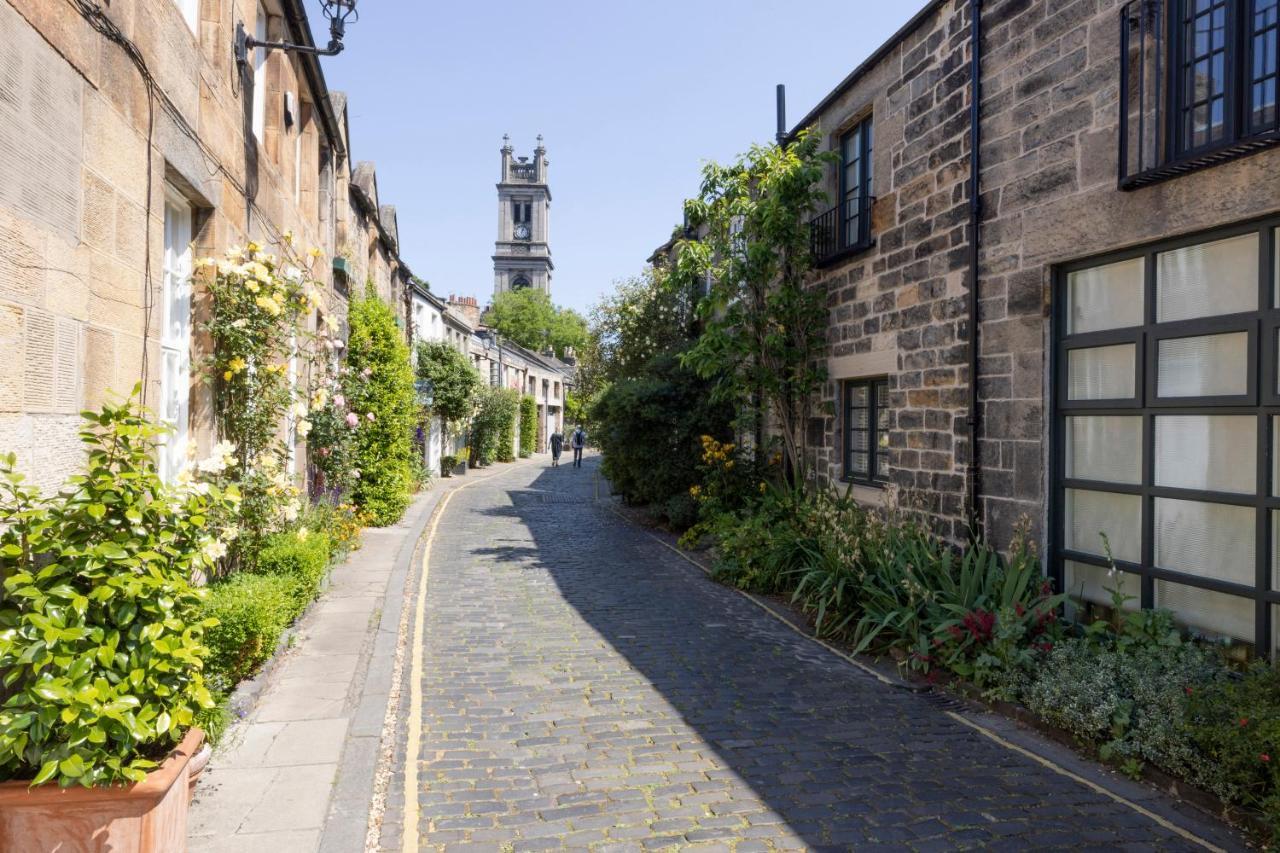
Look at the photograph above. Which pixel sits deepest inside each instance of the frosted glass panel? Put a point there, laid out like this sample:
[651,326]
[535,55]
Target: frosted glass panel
[1101,373]
[1216,453]
[1104,448]
[1208,611]
[1205,366]
[1209,279]
[1088,514]
[1107,297]
[1088,582]
[1204,539]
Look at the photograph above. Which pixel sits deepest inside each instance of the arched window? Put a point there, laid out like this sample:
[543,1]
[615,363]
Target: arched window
[519,282]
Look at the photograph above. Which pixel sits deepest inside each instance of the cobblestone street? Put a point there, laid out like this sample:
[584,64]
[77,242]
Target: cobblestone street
[585,687]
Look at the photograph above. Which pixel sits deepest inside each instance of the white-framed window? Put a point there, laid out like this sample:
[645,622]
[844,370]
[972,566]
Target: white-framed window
[175,334]
[260,74]
[191,12]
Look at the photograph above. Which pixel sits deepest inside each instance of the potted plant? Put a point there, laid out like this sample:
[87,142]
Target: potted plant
[447,464]
[101,644]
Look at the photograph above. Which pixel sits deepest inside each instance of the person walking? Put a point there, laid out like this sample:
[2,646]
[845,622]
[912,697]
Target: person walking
[557,445]
[578,441]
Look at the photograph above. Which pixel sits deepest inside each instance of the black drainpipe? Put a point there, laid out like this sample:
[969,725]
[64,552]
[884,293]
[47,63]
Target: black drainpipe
[975,218]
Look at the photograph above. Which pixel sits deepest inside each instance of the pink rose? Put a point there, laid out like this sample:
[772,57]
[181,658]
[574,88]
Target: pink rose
[339,400]
[352,419]
[369,415]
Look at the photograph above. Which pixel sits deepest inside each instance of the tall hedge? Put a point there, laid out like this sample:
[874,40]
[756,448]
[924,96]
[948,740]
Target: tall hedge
[494,427]
[380,383]
[528,425]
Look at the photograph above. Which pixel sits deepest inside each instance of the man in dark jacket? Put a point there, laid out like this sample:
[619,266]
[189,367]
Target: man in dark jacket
[578,441]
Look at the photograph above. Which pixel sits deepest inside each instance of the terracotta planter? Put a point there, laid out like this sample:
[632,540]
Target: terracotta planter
[147,817]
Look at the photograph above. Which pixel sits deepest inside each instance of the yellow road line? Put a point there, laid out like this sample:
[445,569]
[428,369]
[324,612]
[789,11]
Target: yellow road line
[1186,834]
[409,838]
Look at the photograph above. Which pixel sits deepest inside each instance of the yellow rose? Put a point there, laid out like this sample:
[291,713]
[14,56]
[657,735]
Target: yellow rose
[226,376]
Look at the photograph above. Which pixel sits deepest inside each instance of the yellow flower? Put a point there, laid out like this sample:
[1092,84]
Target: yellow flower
[237,364]
[252,286]
[258,271]
[269,305]
[226,376]
[287,236]
[253,247]
[314,252]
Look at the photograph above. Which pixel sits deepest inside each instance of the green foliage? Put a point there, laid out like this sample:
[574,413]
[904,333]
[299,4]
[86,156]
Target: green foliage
[302,556]
[528,425]
[646,316]
[257,305]
[764,326]
[252,612]
[380,384]
[493,428]
[447,463]
[1235,725]
[101,633]
[527,317]
[456,382]
[1131,701]
[649,429]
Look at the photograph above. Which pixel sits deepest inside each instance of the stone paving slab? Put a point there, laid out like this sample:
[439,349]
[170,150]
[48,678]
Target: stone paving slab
[586,688]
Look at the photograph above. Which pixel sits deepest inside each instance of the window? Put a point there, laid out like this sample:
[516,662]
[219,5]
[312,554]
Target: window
[866,430]
[175,334]
[191,13]
[855,184]
[846,228]
[1167,432]
[521,212]
[520,282]
[1198,87]
[260,75]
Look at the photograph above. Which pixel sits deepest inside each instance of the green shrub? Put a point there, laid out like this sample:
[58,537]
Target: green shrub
[681,511]
[303,557]
[447,464]
[1130,701]
[102,637]
[528,425]
[1235,725]
[493,428]
[649,430]
[253,611]
[379,382]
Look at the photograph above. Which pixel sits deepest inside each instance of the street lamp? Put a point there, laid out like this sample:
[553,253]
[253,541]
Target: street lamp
[491,340]
[339,13]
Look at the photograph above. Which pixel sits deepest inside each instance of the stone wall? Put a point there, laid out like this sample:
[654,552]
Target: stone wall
[1050,121]
[86,157]
[898,308]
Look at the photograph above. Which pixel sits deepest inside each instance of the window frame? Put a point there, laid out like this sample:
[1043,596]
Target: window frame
[1261,400]
[862,239]
[176,340]
[877,474]
[259,61]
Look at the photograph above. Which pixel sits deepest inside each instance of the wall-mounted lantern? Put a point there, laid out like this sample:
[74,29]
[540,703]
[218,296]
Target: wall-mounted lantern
[339,13]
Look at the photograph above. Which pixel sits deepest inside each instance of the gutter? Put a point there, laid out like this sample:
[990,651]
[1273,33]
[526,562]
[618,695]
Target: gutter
[973,421]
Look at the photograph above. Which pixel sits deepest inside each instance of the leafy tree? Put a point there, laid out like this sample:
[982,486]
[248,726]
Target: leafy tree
[380,390]
[455,381]
[645,316]
[764,327]
[527,317]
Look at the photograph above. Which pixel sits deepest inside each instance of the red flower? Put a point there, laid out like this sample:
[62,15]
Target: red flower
[1045,647]
[955,631]
[1020,610]
[1244,721]
[1264,758]
[1188,690]
[980,624]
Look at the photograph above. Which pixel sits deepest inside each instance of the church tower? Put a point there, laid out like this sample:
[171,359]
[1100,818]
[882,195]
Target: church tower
[522,257]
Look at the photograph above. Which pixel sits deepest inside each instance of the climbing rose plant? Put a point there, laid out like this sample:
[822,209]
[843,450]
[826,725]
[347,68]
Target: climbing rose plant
[258,305]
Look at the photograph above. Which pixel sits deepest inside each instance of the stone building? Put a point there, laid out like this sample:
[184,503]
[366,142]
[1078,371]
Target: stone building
[522,254]
[131,142]
[1126,350]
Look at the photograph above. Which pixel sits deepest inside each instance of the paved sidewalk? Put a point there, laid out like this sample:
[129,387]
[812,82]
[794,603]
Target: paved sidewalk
[584,687]
[296,775]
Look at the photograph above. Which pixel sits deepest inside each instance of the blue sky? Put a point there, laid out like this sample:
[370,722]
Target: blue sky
[630,97]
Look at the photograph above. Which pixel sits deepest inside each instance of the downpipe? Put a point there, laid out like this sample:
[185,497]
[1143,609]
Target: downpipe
[973,474]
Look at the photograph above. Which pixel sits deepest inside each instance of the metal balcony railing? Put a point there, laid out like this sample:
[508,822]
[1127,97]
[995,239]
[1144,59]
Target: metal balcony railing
[524,171]
[1154,143]
[840,231]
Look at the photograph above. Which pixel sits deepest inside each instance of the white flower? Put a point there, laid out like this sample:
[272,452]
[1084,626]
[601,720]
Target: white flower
[300,409]
[291,510]
[302,534]
[304,428]
[230,534]
[355,473]
[369,416]
[214,549]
